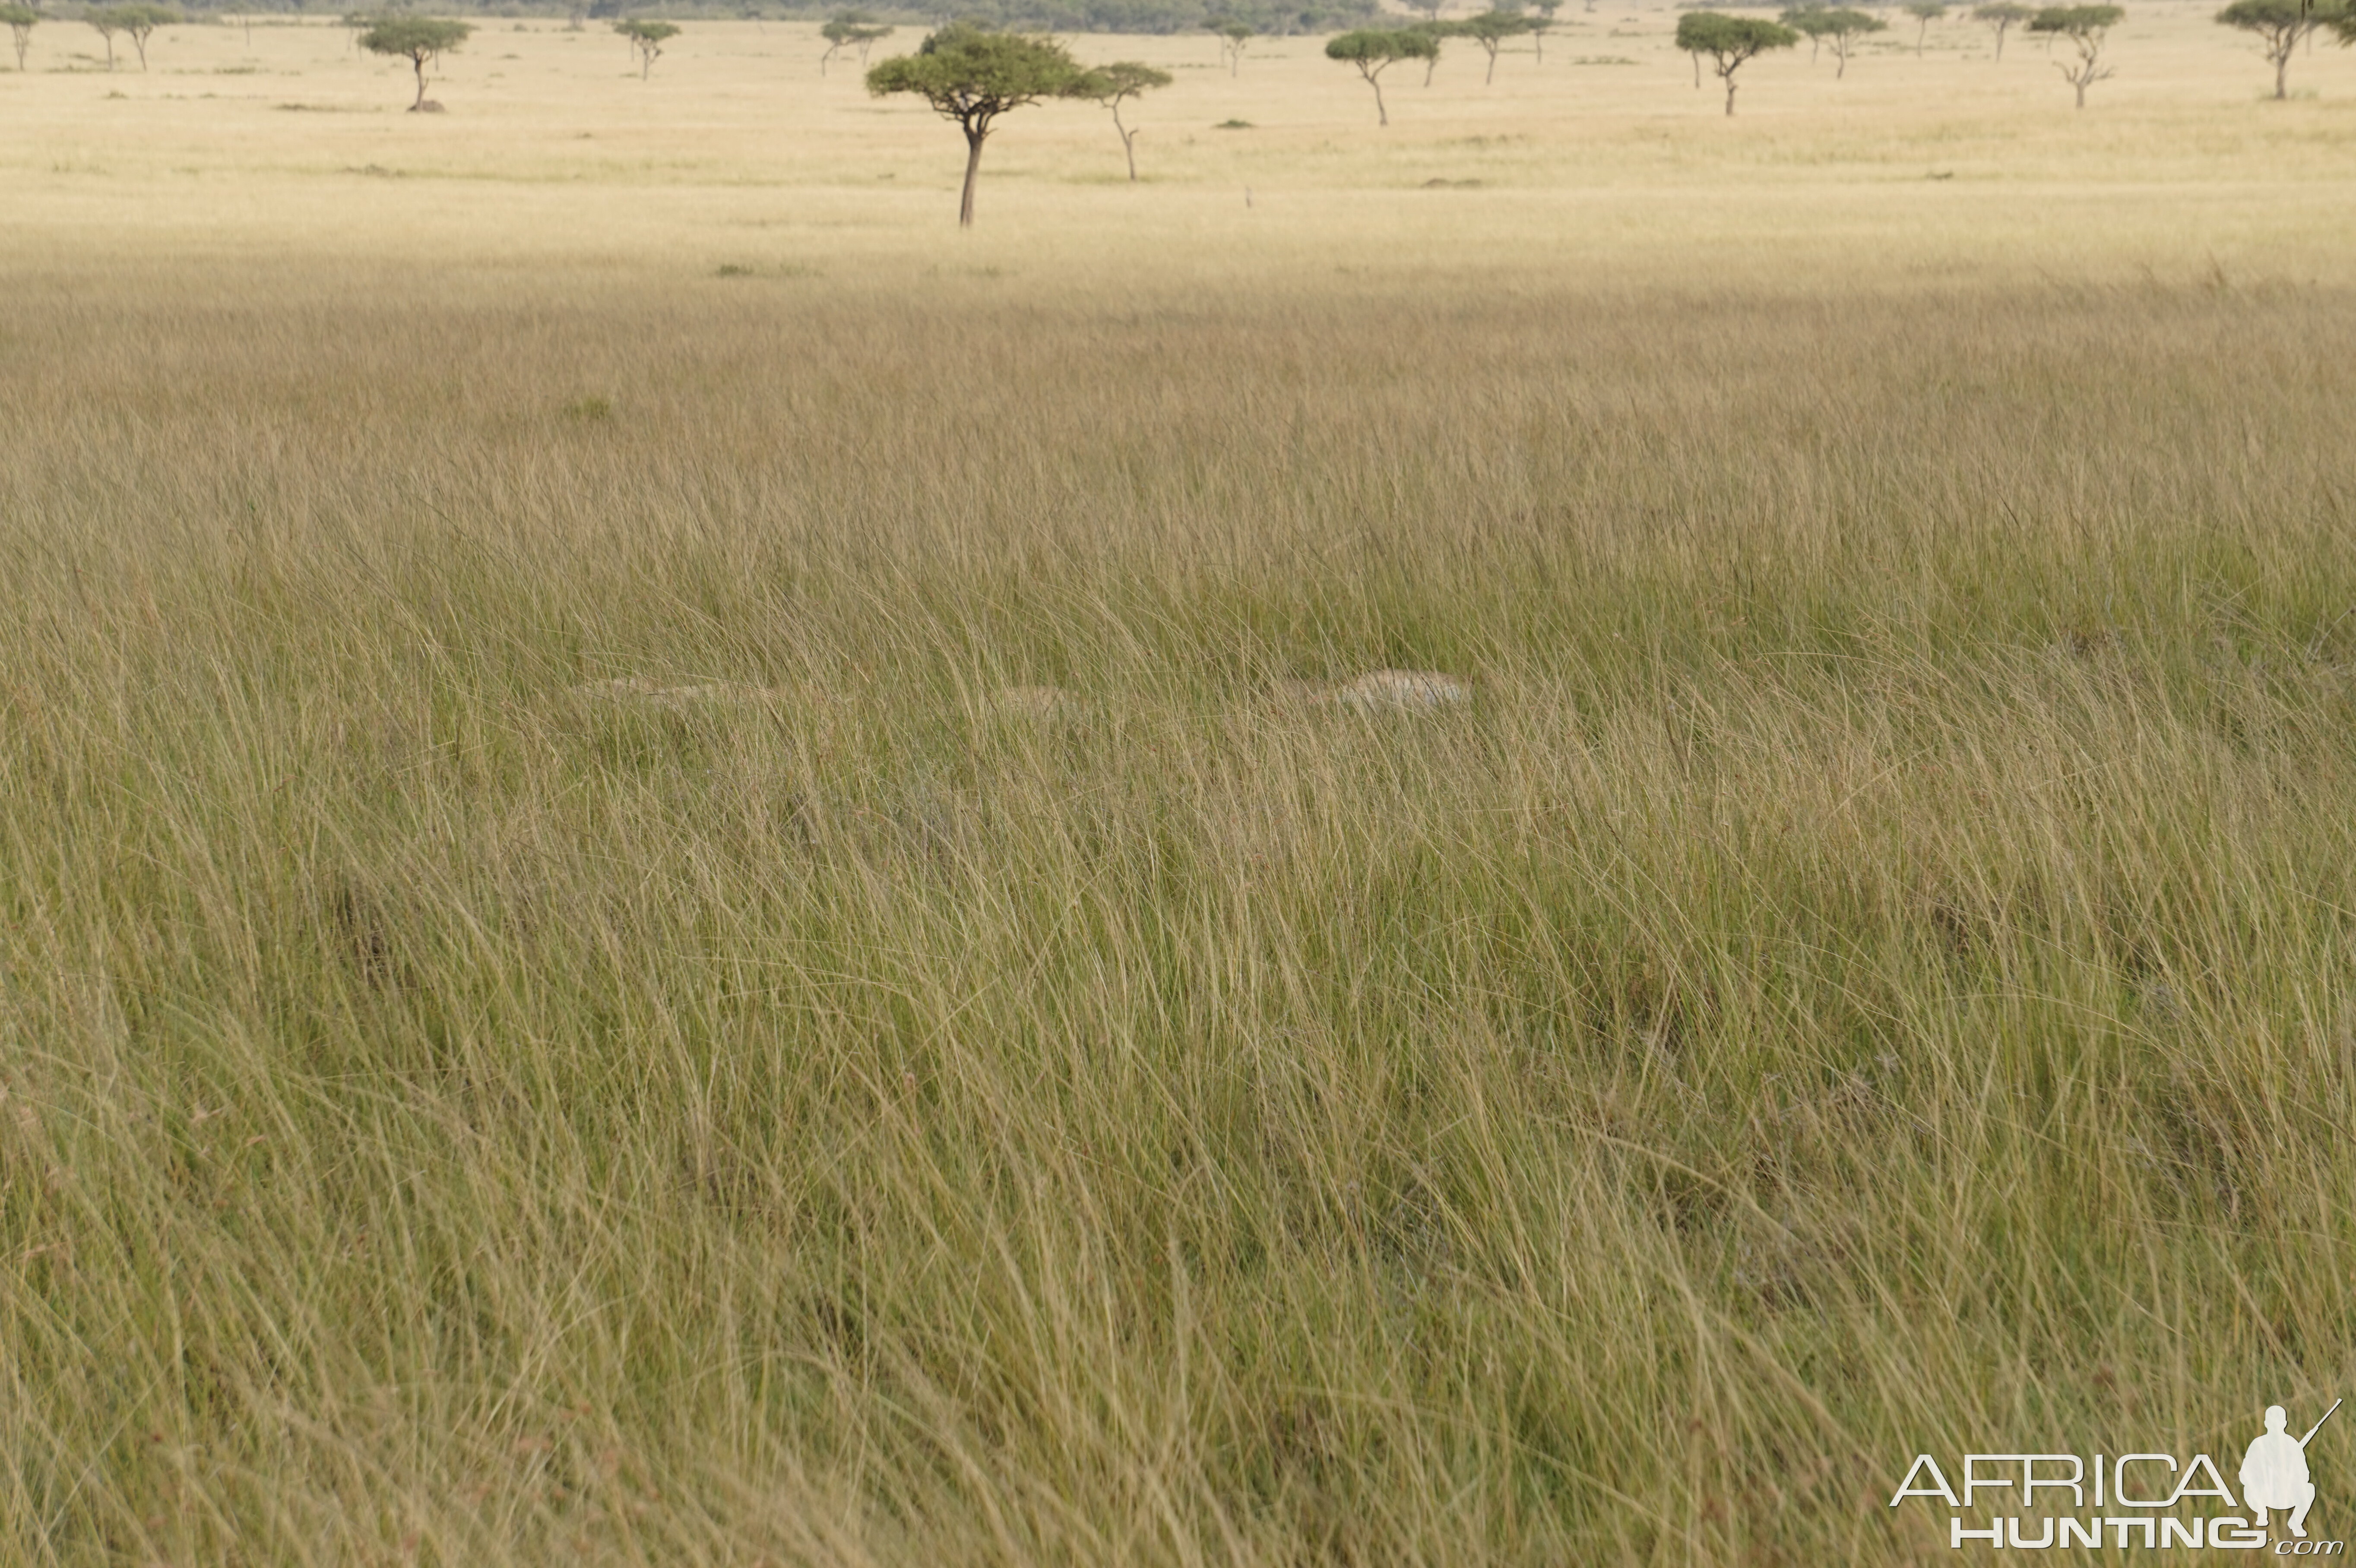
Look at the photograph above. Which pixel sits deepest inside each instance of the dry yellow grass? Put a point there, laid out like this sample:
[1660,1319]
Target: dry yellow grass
[554,154]
[571,990]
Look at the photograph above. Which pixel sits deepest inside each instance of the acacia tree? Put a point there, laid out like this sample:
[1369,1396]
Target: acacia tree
[1924,13]
[1493,28]
[1439,32]
[1805,19]
[1540,23]
[1844,26]
[107,23]
[138,22]
[648,38]
[1731,41]
[2000,15]
[1110,84]
[2084,27]
[1374,50]
[1235,34]
[2280,25]
[851,29]
[973,76]
[420,41]
[20,20]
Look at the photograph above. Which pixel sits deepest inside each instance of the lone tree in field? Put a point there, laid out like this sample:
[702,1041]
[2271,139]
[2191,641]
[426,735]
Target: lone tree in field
[2280,26]
[1801,19]
[1540,23]
[648,38]
[2084,27]
[137,22]
[973,76]
[1491,28]
[1375,50]
[20,20]
[1844,26]
[1731,41]
[1439,32]
[1805,19]
[1924,13]
[107,25]
[1235,36]
[1110,84]
[851,29]
[420,41]
[2000,16]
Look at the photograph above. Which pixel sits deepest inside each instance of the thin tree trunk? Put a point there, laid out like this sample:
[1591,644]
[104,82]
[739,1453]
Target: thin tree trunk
[1491,79]
[1840,53]
[1999,45]
[141,45]
[1381,114]
[420,63]
[2281,74]
[1696,59]
[1730,95]
[973,140]
[2080,83]
[1128,140]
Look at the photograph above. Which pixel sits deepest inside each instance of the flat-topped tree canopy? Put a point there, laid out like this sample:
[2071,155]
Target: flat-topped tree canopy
[1111,85]
[2076,21]
[851,29]
[2001,17]
[137,20]
[1731,41]
[19,20]
[1844,25]
[2280,25]
[647,37]
[1491,28]
[2084,25]
[420,41]
[1372,50]
[972,75]
[1924,13]
[1234,33]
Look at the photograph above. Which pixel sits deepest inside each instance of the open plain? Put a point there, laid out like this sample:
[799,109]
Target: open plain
[682,880]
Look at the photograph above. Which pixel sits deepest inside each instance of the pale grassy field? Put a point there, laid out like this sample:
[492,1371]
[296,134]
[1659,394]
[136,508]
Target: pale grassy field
[1869,971]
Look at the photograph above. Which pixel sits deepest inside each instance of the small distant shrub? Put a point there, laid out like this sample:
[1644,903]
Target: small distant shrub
[589,409]
[1233,125]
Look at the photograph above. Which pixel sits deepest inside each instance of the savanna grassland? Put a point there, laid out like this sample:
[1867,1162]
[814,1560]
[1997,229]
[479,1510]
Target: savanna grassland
[677,885]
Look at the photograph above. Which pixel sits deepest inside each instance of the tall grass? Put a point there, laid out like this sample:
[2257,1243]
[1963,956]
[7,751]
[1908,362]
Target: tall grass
[1868,972]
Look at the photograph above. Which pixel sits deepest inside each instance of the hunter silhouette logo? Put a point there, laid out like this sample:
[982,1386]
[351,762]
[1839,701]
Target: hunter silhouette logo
[2137,1499]
[2274,1472]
